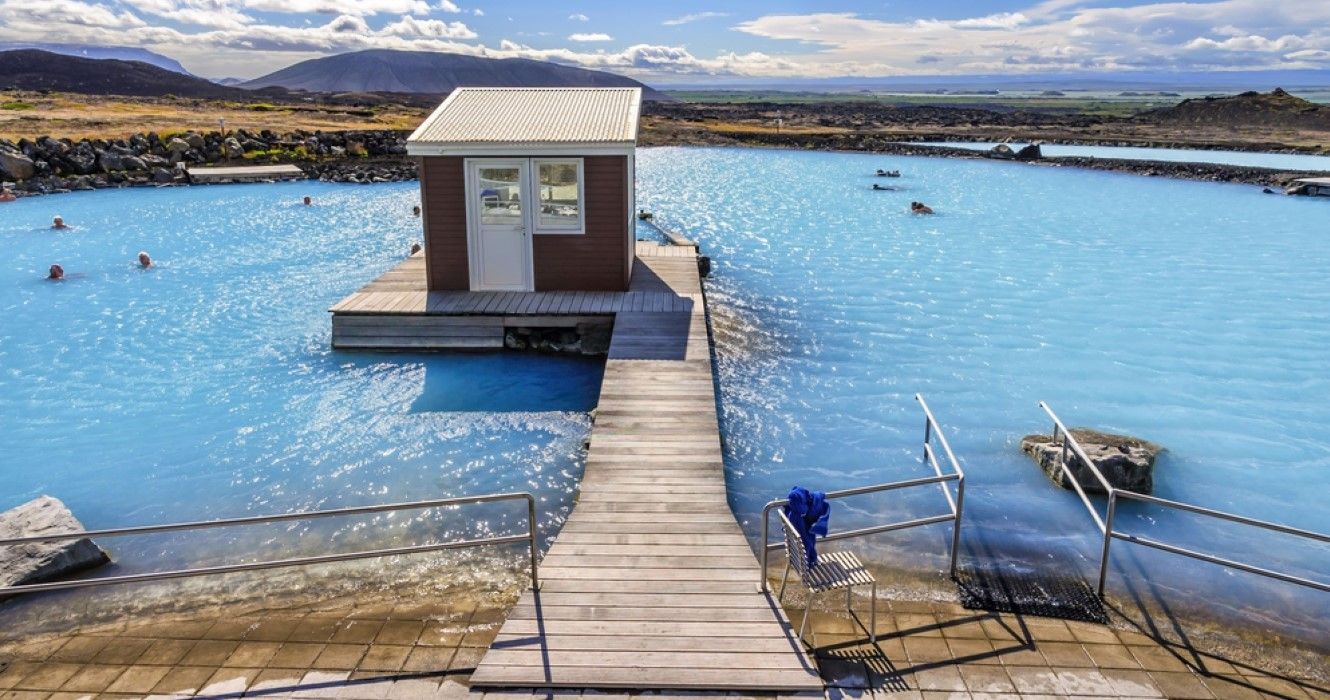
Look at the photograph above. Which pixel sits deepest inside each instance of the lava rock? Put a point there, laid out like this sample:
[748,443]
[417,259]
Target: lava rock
[43,561]
[16,166]
[1030,152]
[1126,462]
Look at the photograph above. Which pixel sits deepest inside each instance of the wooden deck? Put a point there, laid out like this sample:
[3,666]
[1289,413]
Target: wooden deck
[376,316]
[651,584]
[246,173]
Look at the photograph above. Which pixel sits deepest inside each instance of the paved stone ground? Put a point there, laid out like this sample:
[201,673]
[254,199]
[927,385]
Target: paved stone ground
[358,650]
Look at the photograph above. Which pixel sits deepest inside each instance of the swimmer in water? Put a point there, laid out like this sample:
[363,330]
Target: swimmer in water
[307,201]
[58,223]
[416,248]
[415,211]
[57,273]
[144,260]
[7,196]
[920,208]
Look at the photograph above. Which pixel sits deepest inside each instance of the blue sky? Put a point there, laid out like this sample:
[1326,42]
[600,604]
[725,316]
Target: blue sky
[694,41]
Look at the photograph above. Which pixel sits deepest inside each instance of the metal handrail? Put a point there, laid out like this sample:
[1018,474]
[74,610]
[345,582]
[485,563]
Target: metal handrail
[1109,533]
[531,537]
[956,506]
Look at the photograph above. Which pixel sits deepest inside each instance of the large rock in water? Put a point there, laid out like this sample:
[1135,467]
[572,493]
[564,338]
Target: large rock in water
[15,165]
[1126,462]
[43,561]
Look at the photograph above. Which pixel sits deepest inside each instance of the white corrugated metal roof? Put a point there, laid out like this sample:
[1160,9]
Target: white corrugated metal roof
[533,116]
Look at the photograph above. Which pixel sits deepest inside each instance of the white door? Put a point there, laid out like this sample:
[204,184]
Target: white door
[498,208]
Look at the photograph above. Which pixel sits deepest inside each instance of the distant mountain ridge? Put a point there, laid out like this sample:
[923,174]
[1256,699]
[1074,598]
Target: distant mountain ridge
[122,53]
[434,73]
[34,69]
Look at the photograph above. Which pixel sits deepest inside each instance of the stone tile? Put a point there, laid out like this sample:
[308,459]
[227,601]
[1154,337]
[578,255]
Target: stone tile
[322,684]
[1090,633]
[451,689]
[166,652]
[232,630]
[987,679]
[1034,680]
[1131,683]
[252,654]
[175,629]
[313,629]
[973,651]
[918,625]
[1278,686]
[1182,685]
[972,629]
[943,678]
[230,682]
[945,695]
[367,686]
[385,657]
[1136,638]
[295,655]
[1048,630]
[39,650]
[209,652]
[184,680]
[466,658]
[271,629]
[275,680]
[93,678]
[1111,656]
[138,679]
[1233,687]
[1014,656]
[1083,681]
[80,650]
[926,650]
[419,688]
[49,676]
[356,632]
[1064,654]
[441,634]
[399,632]
[13,673]
[122,651]
[1157,659]
[340,657]
[428,659]
[24,695]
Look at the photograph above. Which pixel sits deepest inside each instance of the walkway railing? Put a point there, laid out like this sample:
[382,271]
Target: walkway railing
[930,457]
[531,537]
[1109,533]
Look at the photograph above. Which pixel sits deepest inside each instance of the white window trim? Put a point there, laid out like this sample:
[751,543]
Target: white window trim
[566,230]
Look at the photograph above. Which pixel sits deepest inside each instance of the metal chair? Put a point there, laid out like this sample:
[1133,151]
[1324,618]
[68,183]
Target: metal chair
[834,571]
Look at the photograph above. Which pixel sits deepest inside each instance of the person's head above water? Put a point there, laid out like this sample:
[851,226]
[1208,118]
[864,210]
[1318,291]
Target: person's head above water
[144,260]
[58,222]
[307,200]
[57,272]
[415,248]
[416,210]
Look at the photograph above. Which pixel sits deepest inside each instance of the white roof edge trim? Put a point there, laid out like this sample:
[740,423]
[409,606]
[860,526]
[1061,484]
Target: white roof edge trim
[433,115]
[520,151]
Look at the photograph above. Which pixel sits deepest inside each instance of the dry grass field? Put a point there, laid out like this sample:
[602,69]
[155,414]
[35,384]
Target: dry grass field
[29,115]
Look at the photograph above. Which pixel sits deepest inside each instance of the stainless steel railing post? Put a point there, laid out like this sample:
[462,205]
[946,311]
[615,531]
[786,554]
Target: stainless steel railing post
[1108,539]
[532,531]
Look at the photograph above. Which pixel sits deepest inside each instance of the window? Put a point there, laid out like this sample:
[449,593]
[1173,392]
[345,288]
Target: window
[559,195]
[500,196]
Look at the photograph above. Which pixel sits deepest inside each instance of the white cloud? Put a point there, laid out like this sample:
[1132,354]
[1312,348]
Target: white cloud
[70,12]
[411,27]
[447,6]
[478,12]
[358,8]
[218,14]
[579,17]
[685,19]
[593,36]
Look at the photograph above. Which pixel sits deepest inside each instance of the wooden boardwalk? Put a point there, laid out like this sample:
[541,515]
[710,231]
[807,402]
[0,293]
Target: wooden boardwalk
[651,584]
[246,173]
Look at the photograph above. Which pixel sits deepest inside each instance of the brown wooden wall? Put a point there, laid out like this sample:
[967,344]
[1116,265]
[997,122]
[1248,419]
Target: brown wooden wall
[443,213]
[596,260]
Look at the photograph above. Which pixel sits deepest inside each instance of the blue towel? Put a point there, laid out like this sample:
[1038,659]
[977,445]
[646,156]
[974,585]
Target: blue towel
[809,512]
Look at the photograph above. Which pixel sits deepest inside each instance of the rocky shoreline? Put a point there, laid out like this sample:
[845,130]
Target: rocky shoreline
[50,166]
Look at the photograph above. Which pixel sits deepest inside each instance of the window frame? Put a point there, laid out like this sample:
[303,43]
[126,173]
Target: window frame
[577,229]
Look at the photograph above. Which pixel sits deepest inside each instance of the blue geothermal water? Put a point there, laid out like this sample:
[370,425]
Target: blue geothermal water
[205,387]
[1195,315]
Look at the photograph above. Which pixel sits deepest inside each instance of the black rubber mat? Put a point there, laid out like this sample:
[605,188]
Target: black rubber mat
[1040,595]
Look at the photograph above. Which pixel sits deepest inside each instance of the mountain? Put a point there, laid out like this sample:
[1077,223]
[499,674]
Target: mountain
[33,69]
[1268,109]
[123,53]
[428,72]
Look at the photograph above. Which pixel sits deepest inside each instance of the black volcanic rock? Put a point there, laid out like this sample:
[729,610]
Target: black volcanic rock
[32,69]
[1271,109]
[434,73]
